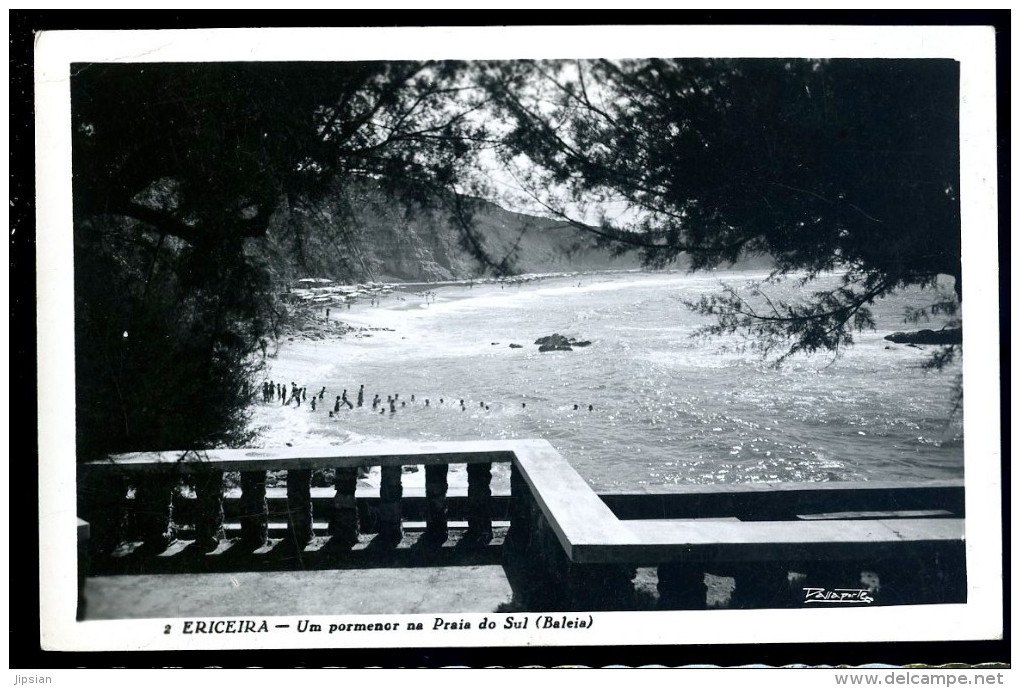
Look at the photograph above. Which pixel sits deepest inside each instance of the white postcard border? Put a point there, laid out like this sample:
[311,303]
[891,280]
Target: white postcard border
[974,47]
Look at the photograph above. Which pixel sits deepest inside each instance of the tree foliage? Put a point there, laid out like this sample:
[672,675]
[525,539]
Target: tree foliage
[175,168]
[823,165]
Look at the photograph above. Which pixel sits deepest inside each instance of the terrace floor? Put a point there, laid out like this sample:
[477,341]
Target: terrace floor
[289,593]
[368,579]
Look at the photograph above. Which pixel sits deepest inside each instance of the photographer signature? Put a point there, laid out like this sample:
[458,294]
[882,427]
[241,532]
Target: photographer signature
[837,596]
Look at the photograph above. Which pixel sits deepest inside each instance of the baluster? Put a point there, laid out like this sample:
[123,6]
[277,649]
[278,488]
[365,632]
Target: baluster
[154,509]
[390,492]
[299,507]
[435,502]
[209,503]
[254,511]
[479,503]
[681,586]
[518,540]
[521,558]
[101,501]
[344,526]
[950,574]
[761,585]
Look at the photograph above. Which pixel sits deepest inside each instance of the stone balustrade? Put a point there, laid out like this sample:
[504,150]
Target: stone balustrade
[155,475]
[570,548]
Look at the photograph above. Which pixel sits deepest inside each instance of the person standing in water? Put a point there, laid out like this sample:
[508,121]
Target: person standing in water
[345,400]
[336,406]
[361,396]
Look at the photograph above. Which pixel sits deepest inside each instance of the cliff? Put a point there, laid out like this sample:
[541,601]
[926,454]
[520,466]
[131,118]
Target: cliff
[364,237]
[428,246]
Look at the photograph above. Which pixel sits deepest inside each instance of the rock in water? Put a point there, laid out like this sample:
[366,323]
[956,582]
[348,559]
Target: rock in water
[951,335]
[557,342]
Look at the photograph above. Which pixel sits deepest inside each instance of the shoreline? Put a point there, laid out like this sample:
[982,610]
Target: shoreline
[451,351]
[309,322]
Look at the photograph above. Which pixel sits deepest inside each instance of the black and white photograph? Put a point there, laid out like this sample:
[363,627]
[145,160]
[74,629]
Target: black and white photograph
[448,340]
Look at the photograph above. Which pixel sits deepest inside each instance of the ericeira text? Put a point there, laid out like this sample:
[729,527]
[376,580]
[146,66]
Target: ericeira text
[226,626]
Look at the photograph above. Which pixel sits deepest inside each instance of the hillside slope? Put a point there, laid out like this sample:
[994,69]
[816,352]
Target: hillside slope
[431,248]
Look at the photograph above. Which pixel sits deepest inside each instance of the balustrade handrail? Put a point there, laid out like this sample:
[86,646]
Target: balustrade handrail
[299,458]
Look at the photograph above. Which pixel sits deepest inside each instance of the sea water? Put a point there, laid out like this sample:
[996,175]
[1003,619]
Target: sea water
[667,408]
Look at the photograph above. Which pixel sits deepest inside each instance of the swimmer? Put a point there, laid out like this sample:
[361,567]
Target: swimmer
[440,400]
[481,404]
[313,402]
[524,405]
[403,404]
[575,407]
[486,407]
[590,407]
[426,402]
[412,398]
[336,406]
[330,414]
